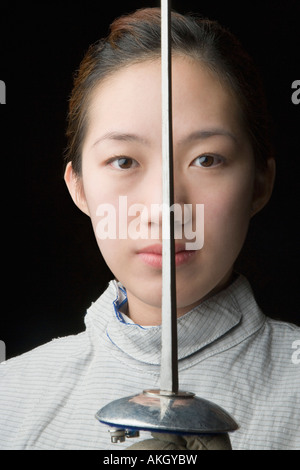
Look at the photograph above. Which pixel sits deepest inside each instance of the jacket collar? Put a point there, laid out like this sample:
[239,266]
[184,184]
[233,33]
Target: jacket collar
[219,322]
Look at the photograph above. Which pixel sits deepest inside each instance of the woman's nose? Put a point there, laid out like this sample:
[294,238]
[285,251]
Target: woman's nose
[153,208]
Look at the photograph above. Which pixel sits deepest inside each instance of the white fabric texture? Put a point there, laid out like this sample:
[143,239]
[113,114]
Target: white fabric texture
[229,353]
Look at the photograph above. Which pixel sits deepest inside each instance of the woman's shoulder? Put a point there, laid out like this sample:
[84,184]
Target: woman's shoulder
[48,357]
[283,330]
[69,352]
[282,341]
[30,384]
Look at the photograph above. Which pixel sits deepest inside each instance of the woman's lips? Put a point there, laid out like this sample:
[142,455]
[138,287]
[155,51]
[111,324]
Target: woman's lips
[152,255]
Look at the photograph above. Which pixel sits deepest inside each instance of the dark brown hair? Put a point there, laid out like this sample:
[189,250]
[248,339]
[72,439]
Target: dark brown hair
[136,37]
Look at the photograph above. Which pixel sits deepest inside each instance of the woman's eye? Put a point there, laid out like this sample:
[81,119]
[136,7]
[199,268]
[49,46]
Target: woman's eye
[207,161]
[123,163]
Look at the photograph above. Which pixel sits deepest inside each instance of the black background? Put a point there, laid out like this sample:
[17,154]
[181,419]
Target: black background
[51,266]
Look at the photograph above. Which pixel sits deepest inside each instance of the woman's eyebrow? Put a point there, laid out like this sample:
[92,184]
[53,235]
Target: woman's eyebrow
[195,135]
[206,134]
[121,136]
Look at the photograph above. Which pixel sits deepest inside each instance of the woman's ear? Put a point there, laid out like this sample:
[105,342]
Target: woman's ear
[75,187]
[263,186]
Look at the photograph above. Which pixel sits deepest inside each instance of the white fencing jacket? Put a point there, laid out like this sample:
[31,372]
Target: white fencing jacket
[229,353]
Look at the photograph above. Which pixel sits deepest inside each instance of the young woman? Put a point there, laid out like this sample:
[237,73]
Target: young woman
[229,352]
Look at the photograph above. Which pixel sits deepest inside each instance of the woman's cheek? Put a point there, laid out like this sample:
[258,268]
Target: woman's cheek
[227,215]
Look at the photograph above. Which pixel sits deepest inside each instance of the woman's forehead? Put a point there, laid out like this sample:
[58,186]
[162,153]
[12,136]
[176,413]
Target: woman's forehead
[130,102]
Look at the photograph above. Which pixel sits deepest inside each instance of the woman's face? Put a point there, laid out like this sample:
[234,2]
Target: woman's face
[213,167]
